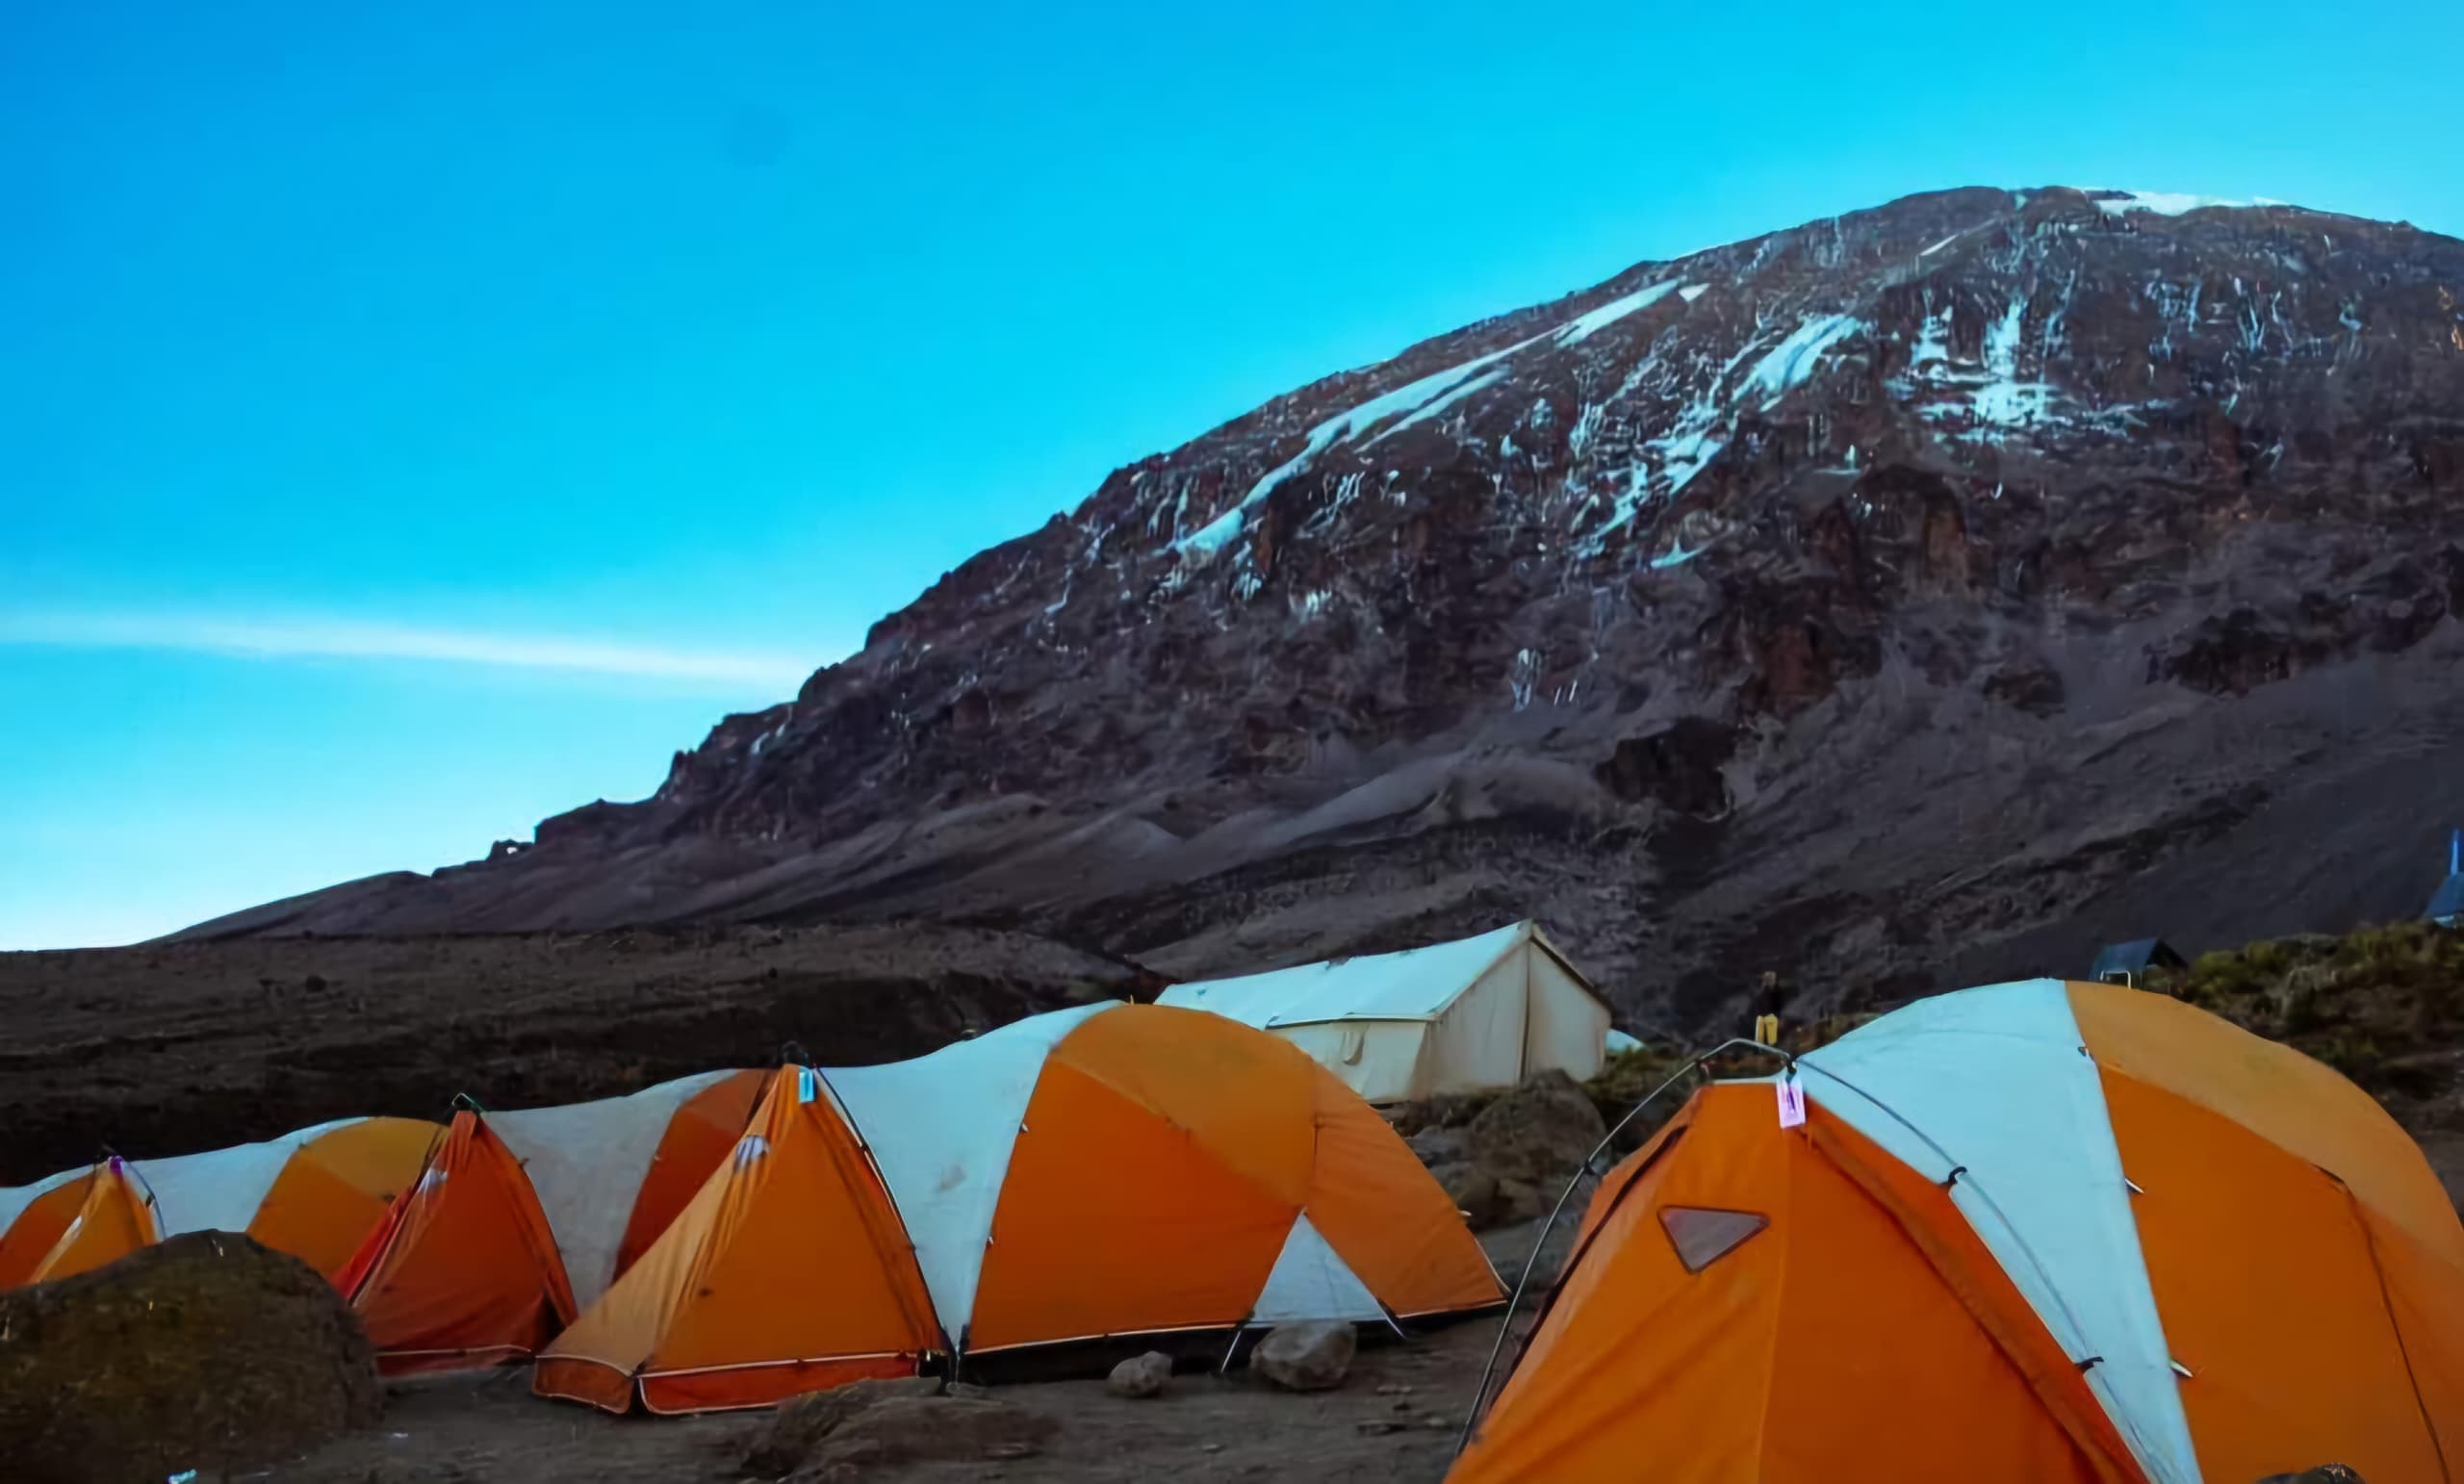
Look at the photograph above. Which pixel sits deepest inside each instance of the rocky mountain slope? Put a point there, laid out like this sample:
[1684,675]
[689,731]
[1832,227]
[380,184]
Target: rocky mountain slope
[1911,597]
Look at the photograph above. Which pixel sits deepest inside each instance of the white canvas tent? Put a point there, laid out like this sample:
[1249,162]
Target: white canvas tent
[1485,1011]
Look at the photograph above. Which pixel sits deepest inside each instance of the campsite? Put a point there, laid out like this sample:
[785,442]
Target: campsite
[991,1229]
[794,743]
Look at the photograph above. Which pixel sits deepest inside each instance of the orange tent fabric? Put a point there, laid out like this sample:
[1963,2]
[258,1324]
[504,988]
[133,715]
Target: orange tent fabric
[31,1237]
[2202,1254]
[1754,1305]
[1158,1131]
[335,1188]
[701,1135]
[788,1272]
[2307,1262]
[1131,1169]
[112,1217]
[463,1271]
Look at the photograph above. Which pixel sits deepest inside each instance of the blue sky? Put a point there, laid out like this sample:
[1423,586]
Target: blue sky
[416,421]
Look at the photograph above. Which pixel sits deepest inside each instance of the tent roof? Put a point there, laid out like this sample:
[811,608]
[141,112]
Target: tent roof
[2134,956]
[1417,984]
[2449,900]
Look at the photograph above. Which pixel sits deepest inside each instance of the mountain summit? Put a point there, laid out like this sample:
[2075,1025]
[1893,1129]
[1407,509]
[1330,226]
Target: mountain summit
[1916,595]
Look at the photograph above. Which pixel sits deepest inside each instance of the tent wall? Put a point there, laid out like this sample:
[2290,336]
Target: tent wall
[1478,1041]
[1565,1027]
[1383,1060]
[587,1162]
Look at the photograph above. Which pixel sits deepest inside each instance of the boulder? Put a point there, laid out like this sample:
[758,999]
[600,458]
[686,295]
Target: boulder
[1140,1375]
[205,1352]
[1312,1357]
[924,1429]
[800,1422]
[1540,1132]
[1436,1145]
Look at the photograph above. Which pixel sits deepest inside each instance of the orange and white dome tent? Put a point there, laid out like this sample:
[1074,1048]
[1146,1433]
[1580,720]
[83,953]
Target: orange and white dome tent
[1093,1173]
[786,1272]
[1130,1169]
[2032,1232]
[315,1194]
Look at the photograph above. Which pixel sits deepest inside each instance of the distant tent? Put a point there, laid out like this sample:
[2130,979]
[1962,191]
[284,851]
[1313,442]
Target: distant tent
[2447,904]
[315,1194]
[1480,1012]
[609,1175]
[786,1272]
[463,1271]
[2123,963]
[77,1225]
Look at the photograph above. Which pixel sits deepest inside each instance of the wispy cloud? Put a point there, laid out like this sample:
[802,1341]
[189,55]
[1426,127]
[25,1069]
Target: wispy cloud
[297,638]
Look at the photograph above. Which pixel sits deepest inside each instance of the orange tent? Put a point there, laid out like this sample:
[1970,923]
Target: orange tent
[463,1271]
[1134,1169]
[337,1186]
[25,1240]
[78,1225]
[2032,1232]
[788,1271]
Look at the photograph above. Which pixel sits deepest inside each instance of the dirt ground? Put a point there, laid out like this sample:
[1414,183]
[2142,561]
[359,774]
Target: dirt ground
[1395,1419]
[170,1048]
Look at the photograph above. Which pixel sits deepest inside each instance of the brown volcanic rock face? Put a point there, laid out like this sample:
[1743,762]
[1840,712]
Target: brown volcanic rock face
[1981,528]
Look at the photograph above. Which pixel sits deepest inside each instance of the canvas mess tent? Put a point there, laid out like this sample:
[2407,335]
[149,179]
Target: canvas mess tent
[2032,1232]
[315,1194]
[1478,1012]
[1092,1173]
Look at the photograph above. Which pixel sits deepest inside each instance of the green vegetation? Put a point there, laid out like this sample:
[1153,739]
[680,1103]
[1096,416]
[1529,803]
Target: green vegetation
[2380,1004]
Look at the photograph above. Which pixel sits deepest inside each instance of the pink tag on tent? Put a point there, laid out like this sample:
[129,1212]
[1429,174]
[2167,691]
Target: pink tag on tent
[1792,1104]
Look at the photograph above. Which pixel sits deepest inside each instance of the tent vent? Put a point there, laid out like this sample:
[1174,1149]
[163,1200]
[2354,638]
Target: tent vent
[1703,1236]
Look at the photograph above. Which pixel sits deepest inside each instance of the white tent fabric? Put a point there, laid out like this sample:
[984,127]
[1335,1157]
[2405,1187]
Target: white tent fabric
[1311,1280]
[1482,1012]
[221,1189]
[1995,1082]
[586,1161]
[944,1157]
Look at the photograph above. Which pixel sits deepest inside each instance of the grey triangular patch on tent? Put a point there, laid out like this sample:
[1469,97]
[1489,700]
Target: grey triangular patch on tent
[1703,1236]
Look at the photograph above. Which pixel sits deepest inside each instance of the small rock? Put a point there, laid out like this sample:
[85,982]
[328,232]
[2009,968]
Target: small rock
[1441,1146]
[1312,1357]
[1141,1376]
[1378,1427]
[1210,1448]
[1394,1389]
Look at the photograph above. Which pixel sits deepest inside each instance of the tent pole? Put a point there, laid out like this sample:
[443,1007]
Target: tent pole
[1505,1325]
